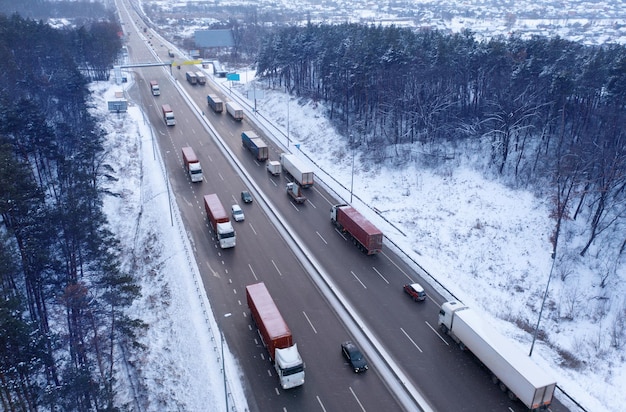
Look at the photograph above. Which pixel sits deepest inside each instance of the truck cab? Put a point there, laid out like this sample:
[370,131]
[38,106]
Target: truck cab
[447,314]
[154,88]
[289,366]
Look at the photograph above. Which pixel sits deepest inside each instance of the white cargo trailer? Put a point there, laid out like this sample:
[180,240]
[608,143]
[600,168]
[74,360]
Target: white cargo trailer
[297,169]
[513,370]
[235,110]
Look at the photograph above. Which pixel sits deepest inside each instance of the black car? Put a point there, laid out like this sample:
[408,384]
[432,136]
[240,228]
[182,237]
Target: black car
[246,196]
[354,356]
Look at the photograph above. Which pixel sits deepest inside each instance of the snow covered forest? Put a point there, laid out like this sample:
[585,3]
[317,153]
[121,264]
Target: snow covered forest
[544,113]
[63,294]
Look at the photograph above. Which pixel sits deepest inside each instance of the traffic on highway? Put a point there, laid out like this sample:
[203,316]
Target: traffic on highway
[312,299]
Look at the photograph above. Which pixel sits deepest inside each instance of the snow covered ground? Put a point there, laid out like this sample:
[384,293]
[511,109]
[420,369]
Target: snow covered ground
[486,243]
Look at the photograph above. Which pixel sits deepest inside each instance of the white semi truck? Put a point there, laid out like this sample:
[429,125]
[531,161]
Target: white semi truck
[276,336]
[514,371]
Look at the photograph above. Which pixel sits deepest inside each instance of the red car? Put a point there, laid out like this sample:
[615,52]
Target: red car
[416,291]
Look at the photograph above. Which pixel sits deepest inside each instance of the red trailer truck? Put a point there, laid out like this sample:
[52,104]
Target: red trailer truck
[192,164]
[255,144]
[168,115]
[365,235]
[219,220]
[154,88]
[276,336]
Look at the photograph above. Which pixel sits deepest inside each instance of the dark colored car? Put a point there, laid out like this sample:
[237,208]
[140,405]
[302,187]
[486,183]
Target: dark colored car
[354,356]
[246,196]
[416,291]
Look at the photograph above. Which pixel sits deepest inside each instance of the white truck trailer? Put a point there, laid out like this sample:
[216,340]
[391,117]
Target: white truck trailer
[514,371]
[234,110]
[297,169]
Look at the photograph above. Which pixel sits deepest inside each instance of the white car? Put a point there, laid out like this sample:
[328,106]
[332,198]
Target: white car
[237,213]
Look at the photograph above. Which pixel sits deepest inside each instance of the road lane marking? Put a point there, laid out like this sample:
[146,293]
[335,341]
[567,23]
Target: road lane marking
[357,399]
[310,323]
[341,234]
[252,270]
[412,341]
[252,227]
[321,194]
[215,274]
[323,240]
[276,267]
[394,263]
[380,274]
[321,404]
[357,278]
[437,333]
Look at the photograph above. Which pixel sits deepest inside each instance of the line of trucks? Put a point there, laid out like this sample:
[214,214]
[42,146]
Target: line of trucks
[195,77]
[516,374]
[276,336]
[216,104]
[303,177]
[219,220]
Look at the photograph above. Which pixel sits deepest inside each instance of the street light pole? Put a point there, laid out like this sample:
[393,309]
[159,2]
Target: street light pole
[352,176]
[545,295]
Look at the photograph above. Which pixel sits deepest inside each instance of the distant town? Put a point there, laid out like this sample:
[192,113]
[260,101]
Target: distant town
[588,22]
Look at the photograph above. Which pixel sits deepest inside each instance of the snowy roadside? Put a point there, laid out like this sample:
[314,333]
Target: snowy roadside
[181,367]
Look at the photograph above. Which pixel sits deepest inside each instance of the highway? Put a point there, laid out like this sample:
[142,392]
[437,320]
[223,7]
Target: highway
[316,276]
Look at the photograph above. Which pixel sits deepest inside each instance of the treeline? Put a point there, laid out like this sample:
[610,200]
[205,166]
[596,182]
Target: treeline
[62,293]
[537,109]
